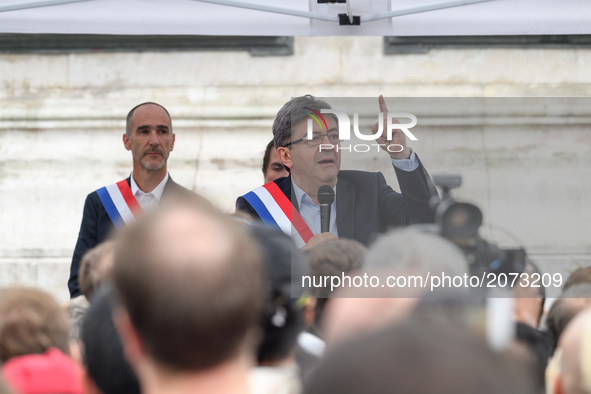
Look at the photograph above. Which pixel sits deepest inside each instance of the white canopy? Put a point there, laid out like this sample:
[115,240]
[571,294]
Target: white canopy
[197,17]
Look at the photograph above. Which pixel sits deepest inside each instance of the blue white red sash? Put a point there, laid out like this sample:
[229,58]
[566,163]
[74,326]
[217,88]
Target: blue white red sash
[275,209]
[119,202]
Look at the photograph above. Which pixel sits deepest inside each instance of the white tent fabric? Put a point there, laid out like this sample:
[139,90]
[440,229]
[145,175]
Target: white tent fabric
[174,17]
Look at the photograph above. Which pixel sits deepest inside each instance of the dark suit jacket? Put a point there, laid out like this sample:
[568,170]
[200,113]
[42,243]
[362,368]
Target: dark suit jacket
[367,206]
[96,227]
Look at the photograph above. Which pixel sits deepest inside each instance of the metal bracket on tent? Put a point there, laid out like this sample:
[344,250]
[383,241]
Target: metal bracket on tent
[344,20]
[352,20]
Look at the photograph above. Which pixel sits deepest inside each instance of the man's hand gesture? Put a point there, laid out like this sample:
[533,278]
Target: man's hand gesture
[396,147]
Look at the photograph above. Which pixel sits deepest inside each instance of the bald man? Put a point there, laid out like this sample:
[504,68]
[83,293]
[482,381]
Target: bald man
[150,139]
[570,369]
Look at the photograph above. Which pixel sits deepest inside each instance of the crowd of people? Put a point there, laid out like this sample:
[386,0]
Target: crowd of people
[170,295]
[187,299]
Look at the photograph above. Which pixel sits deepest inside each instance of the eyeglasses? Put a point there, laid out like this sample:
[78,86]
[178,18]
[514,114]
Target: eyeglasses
[317,138]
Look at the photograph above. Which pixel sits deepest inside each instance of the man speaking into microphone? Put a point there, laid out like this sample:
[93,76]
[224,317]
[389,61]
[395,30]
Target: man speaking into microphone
[362,203]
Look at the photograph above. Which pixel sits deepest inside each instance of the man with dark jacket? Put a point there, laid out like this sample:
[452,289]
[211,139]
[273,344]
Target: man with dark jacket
[149,137]
[364,204]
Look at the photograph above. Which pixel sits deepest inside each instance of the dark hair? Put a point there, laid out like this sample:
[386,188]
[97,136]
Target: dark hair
[532,268]
[130,115]
[291,114]
[31,322]
[103,352]
[540,347]
[190,281]
[267,159]
[279,341]
[417,358]
[95,267]
[281,318]
[267,156]
[580,275]
[332,258]
[564,309]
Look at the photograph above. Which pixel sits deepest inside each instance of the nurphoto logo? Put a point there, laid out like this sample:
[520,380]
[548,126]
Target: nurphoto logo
[344,126]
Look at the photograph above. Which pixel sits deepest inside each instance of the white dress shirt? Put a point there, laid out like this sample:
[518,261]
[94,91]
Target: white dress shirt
[151,199]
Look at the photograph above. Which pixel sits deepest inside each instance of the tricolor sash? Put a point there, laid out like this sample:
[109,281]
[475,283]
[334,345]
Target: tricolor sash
[119,202]
[275,209]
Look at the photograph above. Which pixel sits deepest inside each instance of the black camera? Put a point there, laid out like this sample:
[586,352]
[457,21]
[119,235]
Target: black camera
[459,222]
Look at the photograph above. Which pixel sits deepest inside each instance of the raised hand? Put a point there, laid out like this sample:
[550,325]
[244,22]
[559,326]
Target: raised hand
[396,147]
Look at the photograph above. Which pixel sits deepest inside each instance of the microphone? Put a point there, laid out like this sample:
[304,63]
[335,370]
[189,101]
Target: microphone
[325,198]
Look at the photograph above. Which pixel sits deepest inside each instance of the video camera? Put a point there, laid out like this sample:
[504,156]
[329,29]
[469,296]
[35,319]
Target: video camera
[459,222]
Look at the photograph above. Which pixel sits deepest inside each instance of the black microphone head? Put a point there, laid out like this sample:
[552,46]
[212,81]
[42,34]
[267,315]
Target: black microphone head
[325,195]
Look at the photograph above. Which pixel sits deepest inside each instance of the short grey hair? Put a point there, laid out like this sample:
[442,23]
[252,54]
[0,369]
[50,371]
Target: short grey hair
[414,251]
[292,113]
[130,116]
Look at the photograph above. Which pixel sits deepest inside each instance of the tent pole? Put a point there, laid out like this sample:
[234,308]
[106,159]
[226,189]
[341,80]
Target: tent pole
[36,4]
[276,10]
[419,9]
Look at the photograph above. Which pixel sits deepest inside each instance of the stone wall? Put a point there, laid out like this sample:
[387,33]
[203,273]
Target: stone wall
[62,116]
